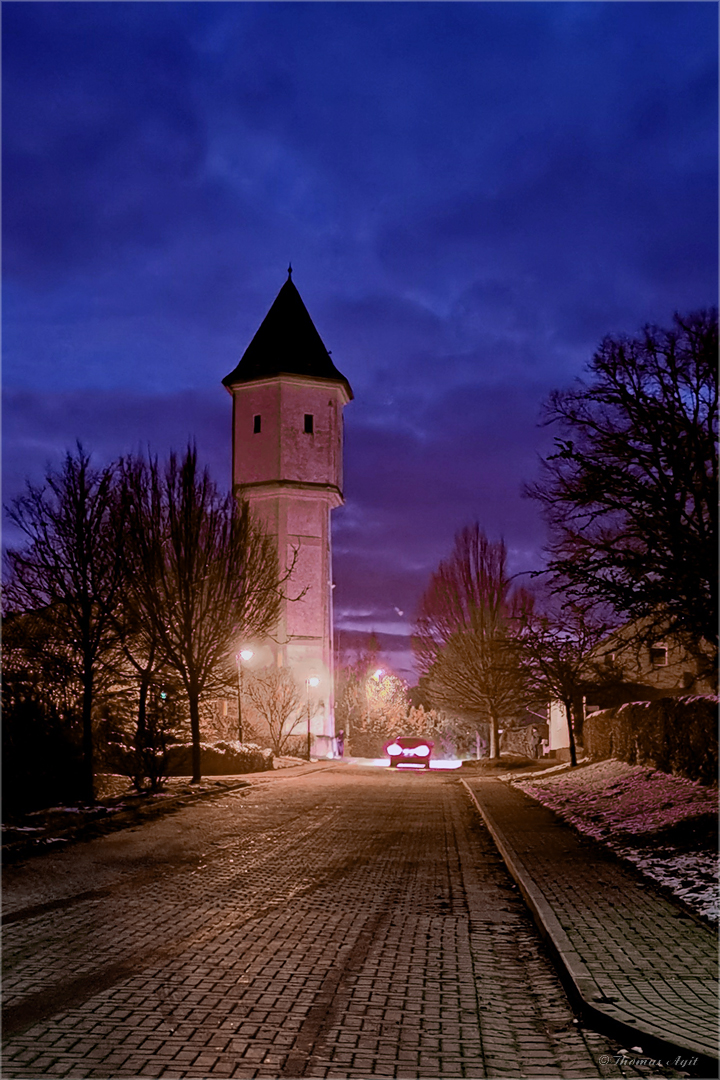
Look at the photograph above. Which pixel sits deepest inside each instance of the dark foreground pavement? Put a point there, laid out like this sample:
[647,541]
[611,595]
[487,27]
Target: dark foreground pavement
[345,922]
[635,962]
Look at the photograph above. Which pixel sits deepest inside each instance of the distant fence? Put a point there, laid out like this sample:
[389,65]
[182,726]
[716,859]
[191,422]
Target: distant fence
[674,735]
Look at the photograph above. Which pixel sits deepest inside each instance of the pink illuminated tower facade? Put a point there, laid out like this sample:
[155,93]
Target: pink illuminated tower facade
[287,459]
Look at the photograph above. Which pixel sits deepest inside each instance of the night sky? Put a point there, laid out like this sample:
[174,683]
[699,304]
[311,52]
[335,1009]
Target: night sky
[471,196]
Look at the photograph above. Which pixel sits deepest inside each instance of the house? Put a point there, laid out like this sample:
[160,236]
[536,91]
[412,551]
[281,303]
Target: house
[638,668]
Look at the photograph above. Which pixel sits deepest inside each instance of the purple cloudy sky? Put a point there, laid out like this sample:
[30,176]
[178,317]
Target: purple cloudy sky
[471,195]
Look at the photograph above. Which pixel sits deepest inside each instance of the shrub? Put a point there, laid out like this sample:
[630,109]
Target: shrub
[674,735]
[597,734]
[135,743]
[41,751]
[220,759]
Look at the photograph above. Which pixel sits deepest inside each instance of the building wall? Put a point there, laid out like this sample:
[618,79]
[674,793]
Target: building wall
[558,735]
[282,450]
[663,667]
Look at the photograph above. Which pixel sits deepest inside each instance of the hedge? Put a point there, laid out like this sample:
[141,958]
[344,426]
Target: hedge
[219,759]
[674,735]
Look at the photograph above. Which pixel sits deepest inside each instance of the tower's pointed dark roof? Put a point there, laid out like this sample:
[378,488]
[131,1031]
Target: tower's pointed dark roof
[287,343]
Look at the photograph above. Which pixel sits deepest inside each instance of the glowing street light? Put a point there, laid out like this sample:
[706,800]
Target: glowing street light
[312,681]
[243,655]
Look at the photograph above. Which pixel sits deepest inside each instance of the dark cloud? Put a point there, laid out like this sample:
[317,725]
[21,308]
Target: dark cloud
[472,196]
[39,428]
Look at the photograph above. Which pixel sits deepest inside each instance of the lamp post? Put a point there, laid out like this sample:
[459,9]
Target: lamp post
[244,654]
[312,681]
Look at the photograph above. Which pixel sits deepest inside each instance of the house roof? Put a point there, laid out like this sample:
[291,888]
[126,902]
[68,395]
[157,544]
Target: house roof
[286,343]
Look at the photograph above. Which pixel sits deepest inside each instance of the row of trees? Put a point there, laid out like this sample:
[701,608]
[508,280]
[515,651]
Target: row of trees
[630,495]
[134,584]
[489,650]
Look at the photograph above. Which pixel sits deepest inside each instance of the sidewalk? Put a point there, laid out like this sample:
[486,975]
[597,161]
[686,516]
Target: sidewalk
[632,961]
[57,827]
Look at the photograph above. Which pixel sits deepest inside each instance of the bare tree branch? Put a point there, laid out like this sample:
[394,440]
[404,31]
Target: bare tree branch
[70,572]
[276,698]
[630,492]
[204,574]
[464,632]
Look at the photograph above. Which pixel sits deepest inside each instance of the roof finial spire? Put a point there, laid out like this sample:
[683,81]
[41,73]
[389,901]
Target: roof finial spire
[289,271]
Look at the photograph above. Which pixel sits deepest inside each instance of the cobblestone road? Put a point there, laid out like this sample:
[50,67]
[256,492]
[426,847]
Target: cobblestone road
[347,922]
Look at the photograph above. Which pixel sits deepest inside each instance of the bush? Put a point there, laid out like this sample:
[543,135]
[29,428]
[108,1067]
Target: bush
[597,734]
[220,759]
[136,744]
[41,752]
[674,735]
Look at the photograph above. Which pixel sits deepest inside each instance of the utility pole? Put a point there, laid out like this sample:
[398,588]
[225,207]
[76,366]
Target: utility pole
[312,681]
[244,654]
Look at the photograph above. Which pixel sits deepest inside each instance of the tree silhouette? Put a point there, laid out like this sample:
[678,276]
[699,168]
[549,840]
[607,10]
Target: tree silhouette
[202,574]
[70,574]
[630,492]
[556,653]
[277,701]
[467,620]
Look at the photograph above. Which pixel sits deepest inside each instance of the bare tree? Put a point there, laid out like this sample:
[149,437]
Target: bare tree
[203,572]
[70,572]
[464,632]
[139,666]
[631,490]
[352,674]
[557,654]
[276,698]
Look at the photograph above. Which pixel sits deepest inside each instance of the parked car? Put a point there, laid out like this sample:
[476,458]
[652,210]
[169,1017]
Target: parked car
[408,751]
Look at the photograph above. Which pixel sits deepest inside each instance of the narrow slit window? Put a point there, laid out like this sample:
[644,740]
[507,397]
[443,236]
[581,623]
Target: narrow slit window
[658,655]
[256,425]
[308,423]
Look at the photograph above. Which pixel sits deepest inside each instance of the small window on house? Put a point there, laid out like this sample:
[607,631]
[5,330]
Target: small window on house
[308,423]
[658,656]
[256,425]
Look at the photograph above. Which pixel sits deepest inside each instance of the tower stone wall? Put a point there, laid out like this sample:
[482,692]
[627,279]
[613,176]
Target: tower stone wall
[287,446]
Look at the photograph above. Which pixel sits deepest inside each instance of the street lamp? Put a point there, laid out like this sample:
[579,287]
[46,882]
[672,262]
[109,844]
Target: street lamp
[244,654]
[312,681]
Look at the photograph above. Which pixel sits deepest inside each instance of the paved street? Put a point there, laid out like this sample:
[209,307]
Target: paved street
[344,922]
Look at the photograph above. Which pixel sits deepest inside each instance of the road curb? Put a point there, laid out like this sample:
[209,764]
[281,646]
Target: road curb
[574,973]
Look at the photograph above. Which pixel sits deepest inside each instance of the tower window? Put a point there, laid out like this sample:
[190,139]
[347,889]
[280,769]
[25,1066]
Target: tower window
[256,425]
[658,655]
[308,423]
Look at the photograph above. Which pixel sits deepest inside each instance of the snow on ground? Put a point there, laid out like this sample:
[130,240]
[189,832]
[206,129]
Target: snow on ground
[663,824]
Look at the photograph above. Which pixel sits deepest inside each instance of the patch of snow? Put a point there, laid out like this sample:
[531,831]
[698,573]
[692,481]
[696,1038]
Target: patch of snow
[627,807]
